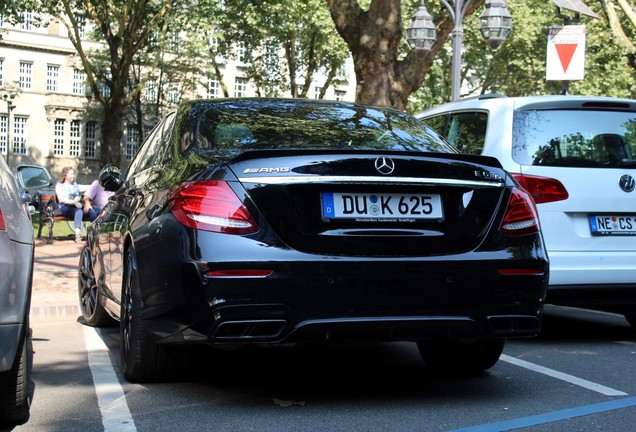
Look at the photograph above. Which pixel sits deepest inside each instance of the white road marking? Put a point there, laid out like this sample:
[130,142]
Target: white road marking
[116,416]
[563,376]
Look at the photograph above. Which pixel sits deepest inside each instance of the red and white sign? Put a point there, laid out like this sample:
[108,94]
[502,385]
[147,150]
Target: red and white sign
[566,53]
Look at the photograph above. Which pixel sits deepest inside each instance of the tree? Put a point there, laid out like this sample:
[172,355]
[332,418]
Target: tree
[124,27]
[622,22]
[385,72]
[287,42]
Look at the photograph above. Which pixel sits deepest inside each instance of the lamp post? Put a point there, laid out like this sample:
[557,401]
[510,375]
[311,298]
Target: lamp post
[495,24]
[8,97]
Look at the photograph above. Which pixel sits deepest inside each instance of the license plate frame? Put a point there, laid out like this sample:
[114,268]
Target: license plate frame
[612,225]
[381,207]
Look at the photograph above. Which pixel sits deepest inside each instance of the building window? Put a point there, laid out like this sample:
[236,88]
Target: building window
[317,92]
[79,82]
[216,48]
[175,42]
[173,95]
[150,92]
[81,24]
[214,88]
[132,142]
[241,53]
[52,78]
[340,95]
[90,141]
[1,71]
[27,21]
[3,134]
[58,137]
[26,71]
[19,135]
[76,136]
[240,87]
[104,90]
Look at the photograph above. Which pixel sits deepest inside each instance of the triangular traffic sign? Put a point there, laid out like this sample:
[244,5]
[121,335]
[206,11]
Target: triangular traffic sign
[565,59]
[565,53]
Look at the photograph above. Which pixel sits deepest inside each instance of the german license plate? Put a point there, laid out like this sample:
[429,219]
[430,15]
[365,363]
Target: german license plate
[613,225]
[370,207]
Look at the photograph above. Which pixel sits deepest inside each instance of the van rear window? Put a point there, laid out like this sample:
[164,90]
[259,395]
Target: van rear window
[574,138]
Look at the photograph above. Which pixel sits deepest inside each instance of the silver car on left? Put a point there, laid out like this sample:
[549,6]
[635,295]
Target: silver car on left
[16,277]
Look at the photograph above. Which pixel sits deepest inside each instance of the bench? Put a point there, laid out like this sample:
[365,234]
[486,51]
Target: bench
[47,205]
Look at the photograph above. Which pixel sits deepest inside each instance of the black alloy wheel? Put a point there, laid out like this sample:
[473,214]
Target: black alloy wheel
[143,360]
[92,310]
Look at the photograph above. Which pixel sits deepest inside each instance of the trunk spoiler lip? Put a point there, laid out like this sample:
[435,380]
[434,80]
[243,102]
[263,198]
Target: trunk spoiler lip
[424,181]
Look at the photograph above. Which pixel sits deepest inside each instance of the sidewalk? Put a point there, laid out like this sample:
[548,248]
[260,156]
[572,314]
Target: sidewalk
[55,279]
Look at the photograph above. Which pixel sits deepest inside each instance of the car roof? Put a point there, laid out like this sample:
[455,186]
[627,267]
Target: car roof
[533,102]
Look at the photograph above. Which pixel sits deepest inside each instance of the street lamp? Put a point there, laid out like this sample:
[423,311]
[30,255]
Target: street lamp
[495,24]
[8,97]
[421,32]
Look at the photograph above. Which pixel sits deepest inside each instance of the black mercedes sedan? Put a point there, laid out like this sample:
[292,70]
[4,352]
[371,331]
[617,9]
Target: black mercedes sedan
[284,221]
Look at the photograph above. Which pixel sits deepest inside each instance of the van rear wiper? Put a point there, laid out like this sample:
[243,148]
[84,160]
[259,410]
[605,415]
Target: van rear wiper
[627,163]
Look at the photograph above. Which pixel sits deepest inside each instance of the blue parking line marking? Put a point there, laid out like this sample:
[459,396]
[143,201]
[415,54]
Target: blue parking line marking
[550,417]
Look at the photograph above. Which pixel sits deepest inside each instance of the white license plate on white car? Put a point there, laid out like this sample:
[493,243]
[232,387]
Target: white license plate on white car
[370,207]
[612,225]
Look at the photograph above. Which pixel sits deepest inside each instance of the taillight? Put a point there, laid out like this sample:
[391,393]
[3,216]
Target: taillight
[542,189]
[2,224]
[211,205]
[521,216]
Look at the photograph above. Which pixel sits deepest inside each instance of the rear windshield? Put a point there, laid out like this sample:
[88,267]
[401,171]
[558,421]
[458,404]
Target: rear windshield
[232,129]
[574,138]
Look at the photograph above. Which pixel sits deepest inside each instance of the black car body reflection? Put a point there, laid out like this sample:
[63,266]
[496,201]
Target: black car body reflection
[274,221]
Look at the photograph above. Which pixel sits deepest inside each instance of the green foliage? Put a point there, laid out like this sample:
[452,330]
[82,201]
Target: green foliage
[300,32]
[518,67]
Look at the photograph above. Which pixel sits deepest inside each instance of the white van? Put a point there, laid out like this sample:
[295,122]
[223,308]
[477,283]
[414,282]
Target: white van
[575,155]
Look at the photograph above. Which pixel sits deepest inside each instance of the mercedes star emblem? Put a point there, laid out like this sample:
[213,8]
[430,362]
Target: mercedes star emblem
[384,165]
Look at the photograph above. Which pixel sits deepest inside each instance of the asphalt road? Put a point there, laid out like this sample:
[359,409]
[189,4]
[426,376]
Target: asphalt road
[576,376]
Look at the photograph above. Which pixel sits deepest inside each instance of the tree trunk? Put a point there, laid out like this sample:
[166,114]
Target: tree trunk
[112,133]
[373,37]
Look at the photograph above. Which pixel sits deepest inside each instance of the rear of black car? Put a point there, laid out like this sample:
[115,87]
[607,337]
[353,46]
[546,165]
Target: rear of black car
[344,227]
[290,221]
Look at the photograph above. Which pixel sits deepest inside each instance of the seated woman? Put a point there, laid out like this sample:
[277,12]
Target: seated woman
[68,196]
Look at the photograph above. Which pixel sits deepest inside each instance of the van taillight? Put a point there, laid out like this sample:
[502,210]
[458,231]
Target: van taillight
[211,205]
[521,216]
[542,189]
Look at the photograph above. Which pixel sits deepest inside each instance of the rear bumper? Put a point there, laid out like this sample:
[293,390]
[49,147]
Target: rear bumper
[592,279]
[592,268]
[614,296]
[374,301]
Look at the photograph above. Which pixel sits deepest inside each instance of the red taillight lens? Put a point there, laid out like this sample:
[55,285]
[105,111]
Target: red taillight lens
[2,224]
[211,205]
[542,189]
[521,216]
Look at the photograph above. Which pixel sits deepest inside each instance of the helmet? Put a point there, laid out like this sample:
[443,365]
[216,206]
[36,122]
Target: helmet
[110,177]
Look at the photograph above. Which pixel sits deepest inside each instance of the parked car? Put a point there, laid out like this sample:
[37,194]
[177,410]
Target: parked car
[575,155]
[16,268]
[281,221]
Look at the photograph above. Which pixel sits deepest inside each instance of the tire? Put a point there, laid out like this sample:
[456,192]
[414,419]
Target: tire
[92,309]
[142,359]
[461,357]
[14,388]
